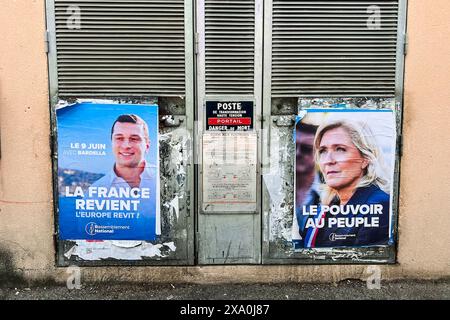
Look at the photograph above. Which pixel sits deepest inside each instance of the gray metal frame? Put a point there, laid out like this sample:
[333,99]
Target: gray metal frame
[53,100]
[338,256]
[399,96]
[189,121]
[202,98]
[52,58]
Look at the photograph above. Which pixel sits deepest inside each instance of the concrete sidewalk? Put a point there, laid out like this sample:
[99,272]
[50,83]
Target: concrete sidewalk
[347,290]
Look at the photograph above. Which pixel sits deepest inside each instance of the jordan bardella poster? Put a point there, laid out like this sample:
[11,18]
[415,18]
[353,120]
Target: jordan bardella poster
[108,172]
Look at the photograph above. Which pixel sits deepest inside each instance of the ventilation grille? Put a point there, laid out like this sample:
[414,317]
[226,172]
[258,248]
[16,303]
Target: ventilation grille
[229,46]
[123,48]
[325,48]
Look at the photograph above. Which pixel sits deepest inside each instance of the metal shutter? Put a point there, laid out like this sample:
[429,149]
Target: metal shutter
[324,48]
[229,47]
[124,48]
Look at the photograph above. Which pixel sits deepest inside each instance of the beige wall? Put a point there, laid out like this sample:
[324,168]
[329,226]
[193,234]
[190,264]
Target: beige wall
[26,224]
[26,218]
[425,176]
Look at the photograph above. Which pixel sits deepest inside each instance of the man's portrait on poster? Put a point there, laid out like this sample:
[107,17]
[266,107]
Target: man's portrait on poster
[130,143]
[112,180]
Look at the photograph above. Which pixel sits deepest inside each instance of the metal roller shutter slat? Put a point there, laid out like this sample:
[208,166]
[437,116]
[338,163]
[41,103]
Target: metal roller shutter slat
[229,47]
[323,48]
[133,47]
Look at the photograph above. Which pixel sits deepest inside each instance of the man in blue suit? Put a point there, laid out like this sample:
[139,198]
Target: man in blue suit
[307,180]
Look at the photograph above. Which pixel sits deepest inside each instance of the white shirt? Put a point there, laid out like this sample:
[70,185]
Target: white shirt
[111,179]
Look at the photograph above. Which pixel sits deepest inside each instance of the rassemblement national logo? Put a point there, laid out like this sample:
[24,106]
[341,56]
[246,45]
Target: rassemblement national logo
[90,228]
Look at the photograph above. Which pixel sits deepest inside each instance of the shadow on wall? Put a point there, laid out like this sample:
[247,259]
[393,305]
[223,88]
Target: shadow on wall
[8,274]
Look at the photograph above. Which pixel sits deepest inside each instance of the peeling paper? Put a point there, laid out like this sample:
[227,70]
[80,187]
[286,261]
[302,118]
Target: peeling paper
[348,103]
[103,250]
[174,157]
[126,243]
[101,101]
[63,104]
[171,245]
[279,182]
[276,224]
[175,206]
[66,103]
[69,253]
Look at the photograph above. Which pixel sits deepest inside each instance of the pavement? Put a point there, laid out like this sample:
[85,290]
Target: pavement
[346,290]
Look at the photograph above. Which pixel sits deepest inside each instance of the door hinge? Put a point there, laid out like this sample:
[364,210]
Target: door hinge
[46,42]
[405,44]
[400,145]
[53,147]
[197,239]
[50,141]
[188,204]
[196,41]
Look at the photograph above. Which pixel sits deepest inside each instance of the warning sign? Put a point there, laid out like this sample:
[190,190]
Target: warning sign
[229,115]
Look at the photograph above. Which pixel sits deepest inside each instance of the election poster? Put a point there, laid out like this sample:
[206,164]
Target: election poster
[344,170]
[108,172]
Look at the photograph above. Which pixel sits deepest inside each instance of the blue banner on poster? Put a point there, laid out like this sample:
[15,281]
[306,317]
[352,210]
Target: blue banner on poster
[108,172]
